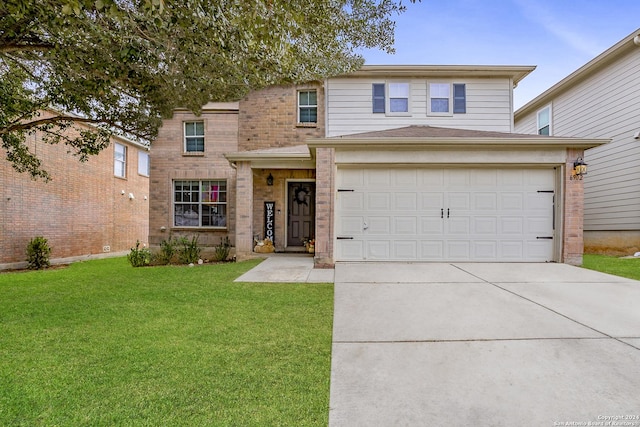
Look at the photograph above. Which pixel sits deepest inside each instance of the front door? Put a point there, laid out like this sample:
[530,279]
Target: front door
[301,202]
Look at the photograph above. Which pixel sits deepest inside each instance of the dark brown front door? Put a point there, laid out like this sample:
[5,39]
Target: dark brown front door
[301,212]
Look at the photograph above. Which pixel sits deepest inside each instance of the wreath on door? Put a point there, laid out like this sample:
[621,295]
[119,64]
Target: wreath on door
[300,195]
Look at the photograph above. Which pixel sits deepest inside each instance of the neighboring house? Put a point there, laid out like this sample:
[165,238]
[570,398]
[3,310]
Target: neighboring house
[397,163]
[87,208]
[600,100]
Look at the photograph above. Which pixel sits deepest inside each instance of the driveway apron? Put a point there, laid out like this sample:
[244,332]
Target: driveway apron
[438,344]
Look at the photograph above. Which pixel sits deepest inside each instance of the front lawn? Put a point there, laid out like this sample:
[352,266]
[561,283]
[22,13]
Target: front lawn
[101,344]
[624,267]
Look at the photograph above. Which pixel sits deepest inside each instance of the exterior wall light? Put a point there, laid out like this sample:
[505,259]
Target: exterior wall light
[270,179]
[579,169]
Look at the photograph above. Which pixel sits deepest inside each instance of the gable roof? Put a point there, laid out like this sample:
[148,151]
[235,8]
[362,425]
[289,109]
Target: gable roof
[599,62]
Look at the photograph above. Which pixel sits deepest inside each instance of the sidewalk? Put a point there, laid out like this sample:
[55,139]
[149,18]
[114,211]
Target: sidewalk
[288,268]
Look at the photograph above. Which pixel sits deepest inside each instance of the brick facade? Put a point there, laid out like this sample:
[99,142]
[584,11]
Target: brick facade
[81,211]
[170,162]
[573,218]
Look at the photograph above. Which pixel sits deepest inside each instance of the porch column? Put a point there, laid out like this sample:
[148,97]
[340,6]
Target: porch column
[244,210]
[324,207]
[573,243]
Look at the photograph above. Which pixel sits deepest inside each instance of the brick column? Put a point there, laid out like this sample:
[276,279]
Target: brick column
[324,208]
[244,205]
[573,244]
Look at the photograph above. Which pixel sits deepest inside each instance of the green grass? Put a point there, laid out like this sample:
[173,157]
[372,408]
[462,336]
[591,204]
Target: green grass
[624,267]
[102,344]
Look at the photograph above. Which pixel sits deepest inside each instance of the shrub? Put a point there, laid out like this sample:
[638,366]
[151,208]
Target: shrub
[168,251]
[38,252]
[222,251]
[139,257]
[190,251]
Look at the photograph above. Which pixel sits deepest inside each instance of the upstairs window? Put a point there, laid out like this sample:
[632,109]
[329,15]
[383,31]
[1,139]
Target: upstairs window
[194,137]
[544,121]
[398,97]
[307,106]
[200,203]
[143,163]
[119,160]
[391,98]
[447,98]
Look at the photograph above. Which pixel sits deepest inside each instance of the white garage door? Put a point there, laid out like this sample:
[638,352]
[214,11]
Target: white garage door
[425,214]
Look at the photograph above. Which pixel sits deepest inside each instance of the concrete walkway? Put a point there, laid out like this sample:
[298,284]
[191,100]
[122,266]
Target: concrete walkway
[422,344]
[288,268]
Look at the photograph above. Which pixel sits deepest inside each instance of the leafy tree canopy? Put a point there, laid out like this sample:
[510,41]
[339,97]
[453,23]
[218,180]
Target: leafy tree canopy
[123,65]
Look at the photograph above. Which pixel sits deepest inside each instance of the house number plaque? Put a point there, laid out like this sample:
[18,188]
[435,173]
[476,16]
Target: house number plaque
[269,221]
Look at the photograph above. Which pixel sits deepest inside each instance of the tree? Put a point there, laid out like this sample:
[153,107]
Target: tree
[124,65]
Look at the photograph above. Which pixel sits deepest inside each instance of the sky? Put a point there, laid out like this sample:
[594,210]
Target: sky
[557,36]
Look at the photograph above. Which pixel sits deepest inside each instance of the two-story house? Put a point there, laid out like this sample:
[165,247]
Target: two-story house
[95,208]
[394,163]
[600,100]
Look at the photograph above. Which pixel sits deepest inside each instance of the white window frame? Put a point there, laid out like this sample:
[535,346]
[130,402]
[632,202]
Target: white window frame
[449,98]
[143,163]
[540,126]
[389,91]
[195,135]
[119,160]
[310,106]
[188,210]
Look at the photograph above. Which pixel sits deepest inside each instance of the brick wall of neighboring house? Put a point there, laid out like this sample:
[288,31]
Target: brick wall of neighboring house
[81,211]
[169,162]
[269,118]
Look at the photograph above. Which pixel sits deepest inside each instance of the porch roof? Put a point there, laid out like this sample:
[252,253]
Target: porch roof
[294,157]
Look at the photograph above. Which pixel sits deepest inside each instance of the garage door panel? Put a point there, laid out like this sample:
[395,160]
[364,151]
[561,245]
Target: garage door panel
[405,225]
[485,225]
[458,250]
[511,250]
[378,177]
[351,178]
[406,201]
[351,226]
[378,202]
[485,202]
[378,249]
[511,201]
[485,250]
[350,250]
[431,201]
[350,202]
[512,225]
[380,225]
[458,226]
[447,214]
[431,226]
[406,178]
[405,249]
[431,178]
[432,250]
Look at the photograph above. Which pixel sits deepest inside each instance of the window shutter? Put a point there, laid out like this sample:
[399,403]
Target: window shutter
[378,98]
[459,98]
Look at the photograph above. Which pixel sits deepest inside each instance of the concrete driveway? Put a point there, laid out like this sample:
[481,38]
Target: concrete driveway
[422,344]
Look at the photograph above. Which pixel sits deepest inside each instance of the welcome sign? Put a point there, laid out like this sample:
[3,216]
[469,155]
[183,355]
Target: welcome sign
[269,221]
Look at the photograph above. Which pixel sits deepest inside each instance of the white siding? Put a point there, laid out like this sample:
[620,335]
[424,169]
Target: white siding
[349,106]
[604,105]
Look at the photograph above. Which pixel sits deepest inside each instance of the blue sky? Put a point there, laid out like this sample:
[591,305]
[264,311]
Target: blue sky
[557,36]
